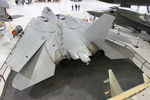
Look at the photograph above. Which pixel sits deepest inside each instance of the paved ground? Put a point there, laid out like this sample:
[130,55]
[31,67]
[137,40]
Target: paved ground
[78,81]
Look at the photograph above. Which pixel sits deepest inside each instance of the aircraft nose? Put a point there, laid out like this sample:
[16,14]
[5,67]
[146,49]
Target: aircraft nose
[90,12]
[108,1]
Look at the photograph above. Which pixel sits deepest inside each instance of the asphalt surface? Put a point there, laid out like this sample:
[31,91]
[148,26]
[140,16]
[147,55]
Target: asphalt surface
[78,81]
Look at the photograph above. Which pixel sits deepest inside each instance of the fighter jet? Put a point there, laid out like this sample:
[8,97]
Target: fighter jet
[4,16]
[128,3]
[50,40]
[127,18]
[140,92]
[125,3]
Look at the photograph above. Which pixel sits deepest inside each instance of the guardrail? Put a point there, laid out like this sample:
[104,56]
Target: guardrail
[2,77]
[144,66]
[5,70]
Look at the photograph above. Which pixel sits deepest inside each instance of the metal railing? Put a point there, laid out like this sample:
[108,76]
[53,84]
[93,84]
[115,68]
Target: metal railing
[2,75]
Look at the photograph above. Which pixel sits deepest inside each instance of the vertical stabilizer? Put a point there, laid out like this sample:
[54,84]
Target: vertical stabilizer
[114,84]
[100,29]
[48,13]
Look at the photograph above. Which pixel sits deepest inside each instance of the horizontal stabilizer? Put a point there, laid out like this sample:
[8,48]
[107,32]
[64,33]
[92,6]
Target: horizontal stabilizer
[114,84]
[115,51]
[34,37]
[39,68]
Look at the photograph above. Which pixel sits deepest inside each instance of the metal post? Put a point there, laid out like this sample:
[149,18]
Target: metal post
[3,78]
[137,42]
[143,64]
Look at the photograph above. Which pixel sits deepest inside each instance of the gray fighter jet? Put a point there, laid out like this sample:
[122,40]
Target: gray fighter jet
[127,18]
[128,3]
[4,16]
[50,40]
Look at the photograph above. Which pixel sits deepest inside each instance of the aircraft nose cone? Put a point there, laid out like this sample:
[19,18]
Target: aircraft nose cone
[90,12]
[108,1]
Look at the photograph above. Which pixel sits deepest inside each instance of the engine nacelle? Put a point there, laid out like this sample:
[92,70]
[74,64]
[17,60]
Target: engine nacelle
[60,59]
[95,50]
